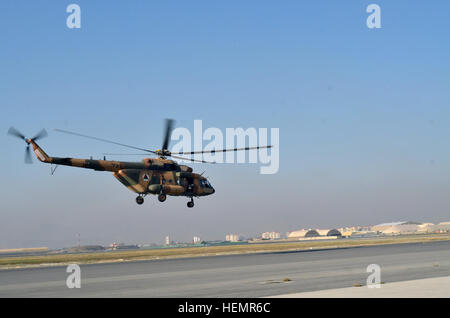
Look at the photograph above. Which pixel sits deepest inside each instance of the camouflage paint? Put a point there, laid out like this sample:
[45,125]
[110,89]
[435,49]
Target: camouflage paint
[172,178]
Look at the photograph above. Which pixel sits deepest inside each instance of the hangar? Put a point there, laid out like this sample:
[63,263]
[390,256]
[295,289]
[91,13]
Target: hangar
[397,227]
[313,233]
[332,232]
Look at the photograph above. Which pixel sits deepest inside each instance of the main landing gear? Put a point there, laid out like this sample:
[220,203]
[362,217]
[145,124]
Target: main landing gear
[140,200]
[162,197]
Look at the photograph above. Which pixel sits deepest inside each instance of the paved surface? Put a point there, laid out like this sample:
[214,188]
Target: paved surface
[420,288]
[254,275]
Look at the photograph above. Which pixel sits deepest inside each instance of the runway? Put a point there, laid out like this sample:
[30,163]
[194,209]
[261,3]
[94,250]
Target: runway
[251,275]
[437,287]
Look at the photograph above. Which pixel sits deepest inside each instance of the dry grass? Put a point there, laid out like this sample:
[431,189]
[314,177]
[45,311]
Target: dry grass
[24,250]
[149,254]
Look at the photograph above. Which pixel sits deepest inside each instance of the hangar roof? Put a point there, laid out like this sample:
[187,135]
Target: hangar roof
[398,223]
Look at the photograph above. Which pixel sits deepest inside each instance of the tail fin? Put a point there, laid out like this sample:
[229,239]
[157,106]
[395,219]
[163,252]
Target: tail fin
[40,154]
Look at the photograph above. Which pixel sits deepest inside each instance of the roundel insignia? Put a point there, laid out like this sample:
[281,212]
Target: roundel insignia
[145,177]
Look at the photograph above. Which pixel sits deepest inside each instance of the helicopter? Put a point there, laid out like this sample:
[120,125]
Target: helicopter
[157,176]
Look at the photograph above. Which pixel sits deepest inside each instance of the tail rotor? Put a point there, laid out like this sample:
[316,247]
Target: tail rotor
[15,133]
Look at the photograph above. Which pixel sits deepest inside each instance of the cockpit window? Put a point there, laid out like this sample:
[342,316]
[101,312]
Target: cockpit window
[205,183]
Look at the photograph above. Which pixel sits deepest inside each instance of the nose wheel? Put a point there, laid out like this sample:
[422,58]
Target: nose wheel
[139,200]
[190,204]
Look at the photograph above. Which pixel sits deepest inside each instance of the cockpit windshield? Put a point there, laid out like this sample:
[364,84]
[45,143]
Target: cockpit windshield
[204,183]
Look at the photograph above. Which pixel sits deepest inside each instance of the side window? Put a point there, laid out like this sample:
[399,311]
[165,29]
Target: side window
[155,180]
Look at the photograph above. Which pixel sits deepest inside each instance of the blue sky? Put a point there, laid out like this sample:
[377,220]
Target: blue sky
[363,114]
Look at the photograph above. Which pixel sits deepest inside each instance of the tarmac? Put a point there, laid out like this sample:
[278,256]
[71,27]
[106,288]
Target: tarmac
[313,273]
[438,287]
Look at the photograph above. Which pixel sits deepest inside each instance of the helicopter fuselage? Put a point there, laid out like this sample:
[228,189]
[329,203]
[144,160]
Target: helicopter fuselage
[159,176]
[149,176]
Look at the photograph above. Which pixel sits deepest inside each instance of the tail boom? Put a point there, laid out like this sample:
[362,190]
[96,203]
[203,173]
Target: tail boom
[99,165]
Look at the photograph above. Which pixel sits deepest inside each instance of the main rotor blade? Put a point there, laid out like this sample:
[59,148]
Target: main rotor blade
[220,150]
[101,139]
[193,160]
[28,158]
[40,135]
[123,154]
[142,154]
[14,132]
[169,126]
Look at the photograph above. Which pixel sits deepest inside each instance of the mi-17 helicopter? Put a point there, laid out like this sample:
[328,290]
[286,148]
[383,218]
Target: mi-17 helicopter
[158,176]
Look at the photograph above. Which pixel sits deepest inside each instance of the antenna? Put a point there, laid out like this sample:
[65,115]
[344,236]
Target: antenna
[52,170]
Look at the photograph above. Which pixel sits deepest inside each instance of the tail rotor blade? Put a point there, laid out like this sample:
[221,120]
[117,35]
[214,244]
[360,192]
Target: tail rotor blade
[28,158]
[40,135]
[14,132]
[169,126]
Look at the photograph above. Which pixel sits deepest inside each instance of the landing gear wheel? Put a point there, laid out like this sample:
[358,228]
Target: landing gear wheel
[190,204]
[162,197]
[139,200]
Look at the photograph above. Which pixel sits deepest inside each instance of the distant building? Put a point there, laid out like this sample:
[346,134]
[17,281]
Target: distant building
[351,229]
[426,228]
[233,238]
[443,227]
[167,240]
[397,227]
[271,236]
[122,246]
[196,240]
[297,234]
[332,232]
[359,234]
[313,233]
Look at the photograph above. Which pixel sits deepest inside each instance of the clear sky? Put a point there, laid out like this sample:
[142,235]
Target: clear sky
[364,114]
